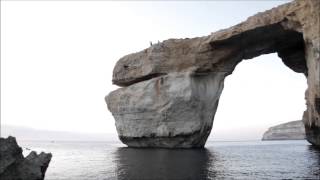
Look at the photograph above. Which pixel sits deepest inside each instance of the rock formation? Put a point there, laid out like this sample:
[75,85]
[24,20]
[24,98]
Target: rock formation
[13,166]
[293,130]
[170,91]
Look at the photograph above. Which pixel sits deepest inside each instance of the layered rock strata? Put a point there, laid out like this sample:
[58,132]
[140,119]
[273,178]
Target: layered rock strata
[13,166]
[293,130]
[175,110]
[170,91]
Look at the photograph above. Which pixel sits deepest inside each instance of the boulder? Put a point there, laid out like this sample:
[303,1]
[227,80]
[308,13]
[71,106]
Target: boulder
[169,111]
[13,166]
[170,91]
[293,130]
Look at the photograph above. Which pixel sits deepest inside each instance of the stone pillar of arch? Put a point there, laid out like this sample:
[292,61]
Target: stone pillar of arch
[170,91]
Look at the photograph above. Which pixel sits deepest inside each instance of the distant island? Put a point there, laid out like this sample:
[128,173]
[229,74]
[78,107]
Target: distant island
[293,130]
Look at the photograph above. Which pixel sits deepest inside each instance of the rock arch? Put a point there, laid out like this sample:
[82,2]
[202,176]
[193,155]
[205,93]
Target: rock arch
[170,91]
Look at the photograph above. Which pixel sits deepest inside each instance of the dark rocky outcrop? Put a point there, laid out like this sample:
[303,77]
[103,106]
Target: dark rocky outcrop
[293,130]
[13,166]
[171,90]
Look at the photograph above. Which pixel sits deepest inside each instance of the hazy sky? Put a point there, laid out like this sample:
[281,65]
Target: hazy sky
[57,60]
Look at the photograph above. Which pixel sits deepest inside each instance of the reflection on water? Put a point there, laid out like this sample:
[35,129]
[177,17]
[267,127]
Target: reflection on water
[271,160]
[314,158]
[133,163]
[219,160]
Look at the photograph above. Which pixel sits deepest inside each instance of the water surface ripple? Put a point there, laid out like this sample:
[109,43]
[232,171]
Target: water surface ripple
[219,160]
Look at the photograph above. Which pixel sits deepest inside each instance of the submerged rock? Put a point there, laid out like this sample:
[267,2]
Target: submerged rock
[170,91]
[13,166]
[293,130]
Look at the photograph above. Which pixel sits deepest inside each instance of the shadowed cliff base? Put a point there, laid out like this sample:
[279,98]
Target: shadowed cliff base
[179,141]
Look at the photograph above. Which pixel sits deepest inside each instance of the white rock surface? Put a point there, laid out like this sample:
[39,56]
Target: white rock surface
[171,89]
[175,110]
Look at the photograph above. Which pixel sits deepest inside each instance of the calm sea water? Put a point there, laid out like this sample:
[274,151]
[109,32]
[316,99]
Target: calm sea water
[219,160]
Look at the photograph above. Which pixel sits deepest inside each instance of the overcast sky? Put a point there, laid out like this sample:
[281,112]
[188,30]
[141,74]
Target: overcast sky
[57,60]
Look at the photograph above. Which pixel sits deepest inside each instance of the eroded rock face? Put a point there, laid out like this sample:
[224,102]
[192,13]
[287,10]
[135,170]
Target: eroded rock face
[175,110]
[293,130]
[161,79]
[13,166]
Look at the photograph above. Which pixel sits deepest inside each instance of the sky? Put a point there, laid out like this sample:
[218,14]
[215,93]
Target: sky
[57,59]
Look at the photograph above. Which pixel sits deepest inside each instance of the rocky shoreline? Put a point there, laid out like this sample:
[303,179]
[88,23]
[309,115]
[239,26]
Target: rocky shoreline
[13,166]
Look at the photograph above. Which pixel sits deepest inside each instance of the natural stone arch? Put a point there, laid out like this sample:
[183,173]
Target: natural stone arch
[171,89]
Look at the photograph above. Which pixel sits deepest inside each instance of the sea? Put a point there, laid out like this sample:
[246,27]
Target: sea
[218,160]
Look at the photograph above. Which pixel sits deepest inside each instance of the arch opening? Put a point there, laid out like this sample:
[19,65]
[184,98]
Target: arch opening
[260,93]
[182,79]
[276,38]
[287,43]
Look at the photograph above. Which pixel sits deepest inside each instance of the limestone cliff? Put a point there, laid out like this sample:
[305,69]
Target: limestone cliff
[293,130]
[13,166]
[170,91]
